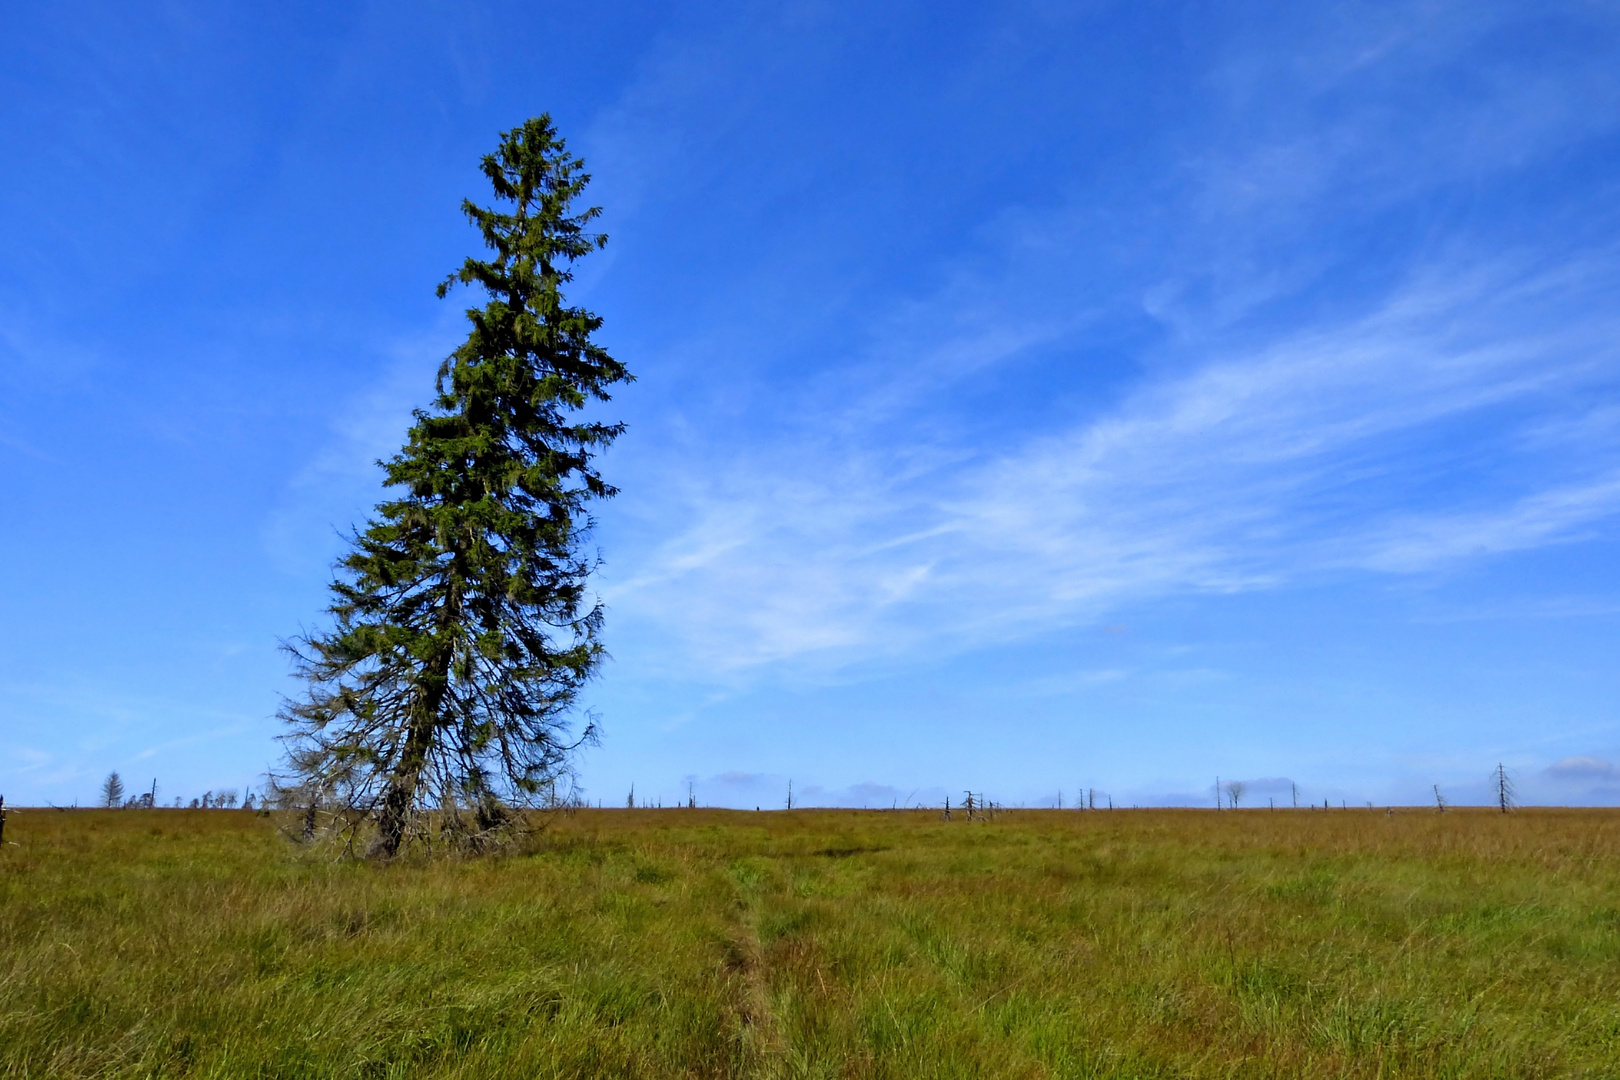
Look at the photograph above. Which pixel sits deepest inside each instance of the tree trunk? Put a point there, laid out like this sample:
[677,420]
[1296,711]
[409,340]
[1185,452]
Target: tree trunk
[395,814]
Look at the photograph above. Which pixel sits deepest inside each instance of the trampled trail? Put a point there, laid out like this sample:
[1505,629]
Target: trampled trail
[763,1050]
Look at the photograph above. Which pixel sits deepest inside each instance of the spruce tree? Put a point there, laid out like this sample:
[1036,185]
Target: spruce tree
[462,631]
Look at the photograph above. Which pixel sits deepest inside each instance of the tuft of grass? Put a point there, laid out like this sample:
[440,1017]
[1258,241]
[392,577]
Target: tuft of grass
[698,943]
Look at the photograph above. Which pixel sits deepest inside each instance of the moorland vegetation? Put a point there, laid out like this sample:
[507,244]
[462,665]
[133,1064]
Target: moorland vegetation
[818,943]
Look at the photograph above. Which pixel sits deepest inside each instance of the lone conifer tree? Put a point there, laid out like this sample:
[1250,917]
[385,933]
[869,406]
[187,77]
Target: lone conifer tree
[463,632]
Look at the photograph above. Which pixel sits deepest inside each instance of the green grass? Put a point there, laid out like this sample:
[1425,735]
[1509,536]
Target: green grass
[682,943]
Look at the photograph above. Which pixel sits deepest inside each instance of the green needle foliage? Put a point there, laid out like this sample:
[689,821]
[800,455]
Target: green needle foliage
[463,631]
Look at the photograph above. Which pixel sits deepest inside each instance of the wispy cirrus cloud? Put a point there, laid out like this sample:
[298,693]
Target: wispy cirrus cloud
[1391,443]
[1304,406]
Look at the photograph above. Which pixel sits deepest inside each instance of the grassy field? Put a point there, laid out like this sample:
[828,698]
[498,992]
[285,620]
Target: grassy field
[697,943]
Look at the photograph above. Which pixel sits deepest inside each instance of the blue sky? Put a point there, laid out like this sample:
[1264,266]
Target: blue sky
[1032,397]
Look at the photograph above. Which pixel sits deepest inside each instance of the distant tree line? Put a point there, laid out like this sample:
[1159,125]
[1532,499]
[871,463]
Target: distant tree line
[113,797]
[310,802]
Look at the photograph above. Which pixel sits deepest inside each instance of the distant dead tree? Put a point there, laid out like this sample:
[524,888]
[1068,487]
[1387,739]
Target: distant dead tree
[1234,792]
[112,791]
[1439,800]
[146,800]
[1504,789]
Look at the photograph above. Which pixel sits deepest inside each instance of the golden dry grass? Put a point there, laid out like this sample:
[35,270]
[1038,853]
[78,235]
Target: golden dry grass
[682,943]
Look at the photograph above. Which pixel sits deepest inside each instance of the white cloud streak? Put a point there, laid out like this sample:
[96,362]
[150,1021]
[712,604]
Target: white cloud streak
[1371,446]
[1448,422]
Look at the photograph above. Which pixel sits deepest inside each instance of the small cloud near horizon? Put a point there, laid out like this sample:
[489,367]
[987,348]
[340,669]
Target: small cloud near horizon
[1580,768]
